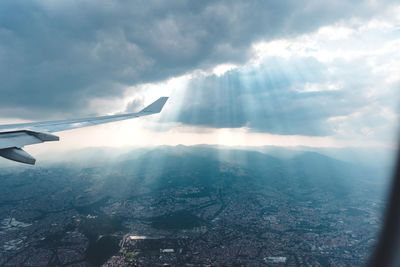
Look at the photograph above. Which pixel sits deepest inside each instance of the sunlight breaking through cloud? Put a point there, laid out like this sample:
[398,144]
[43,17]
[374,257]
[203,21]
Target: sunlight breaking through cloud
[336,85]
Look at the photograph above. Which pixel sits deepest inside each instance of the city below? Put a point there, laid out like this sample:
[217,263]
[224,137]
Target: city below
[191,206]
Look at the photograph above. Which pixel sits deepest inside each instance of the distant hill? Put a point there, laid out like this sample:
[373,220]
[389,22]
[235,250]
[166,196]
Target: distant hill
[303,169]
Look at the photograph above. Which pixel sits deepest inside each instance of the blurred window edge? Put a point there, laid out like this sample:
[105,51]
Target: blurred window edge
[387,251]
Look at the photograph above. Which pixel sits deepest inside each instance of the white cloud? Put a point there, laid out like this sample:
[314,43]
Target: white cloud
[221,69]
[318,87]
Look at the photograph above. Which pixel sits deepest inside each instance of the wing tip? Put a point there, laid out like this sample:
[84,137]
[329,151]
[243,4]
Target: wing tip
[156,106]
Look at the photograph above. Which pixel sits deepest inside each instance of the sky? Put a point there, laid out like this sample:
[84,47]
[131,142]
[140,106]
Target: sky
[238,73]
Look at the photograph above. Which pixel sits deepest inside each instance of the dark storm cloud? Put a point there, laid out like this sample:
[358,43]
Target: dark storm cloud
[57,55]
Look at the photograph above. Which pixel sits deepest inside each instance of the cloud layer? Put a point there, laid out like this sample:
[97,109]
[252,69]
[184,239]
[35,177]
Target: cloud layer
[321,84]
[56,56]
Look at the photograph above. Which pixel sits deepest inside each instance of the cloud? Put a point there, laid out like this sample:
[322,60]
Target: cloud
[306,86]
[56,56]
[268,98]
[134,105]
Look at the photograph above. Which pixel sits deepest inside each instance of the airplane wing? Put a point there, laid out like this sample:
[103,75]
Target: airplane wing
[14,136]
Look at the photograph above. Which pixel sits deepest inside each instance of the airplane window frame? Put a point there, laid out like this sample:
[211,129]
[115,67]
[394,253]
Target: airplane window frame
[387,251]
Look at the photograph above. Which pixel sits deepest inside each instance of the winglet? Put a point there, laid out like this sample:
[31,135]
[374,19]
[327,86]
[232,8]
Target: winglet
[156,106]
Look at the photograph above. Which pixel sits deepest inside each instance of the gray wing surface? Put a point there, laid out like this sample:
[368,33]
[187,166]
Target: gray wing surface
[14,136]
